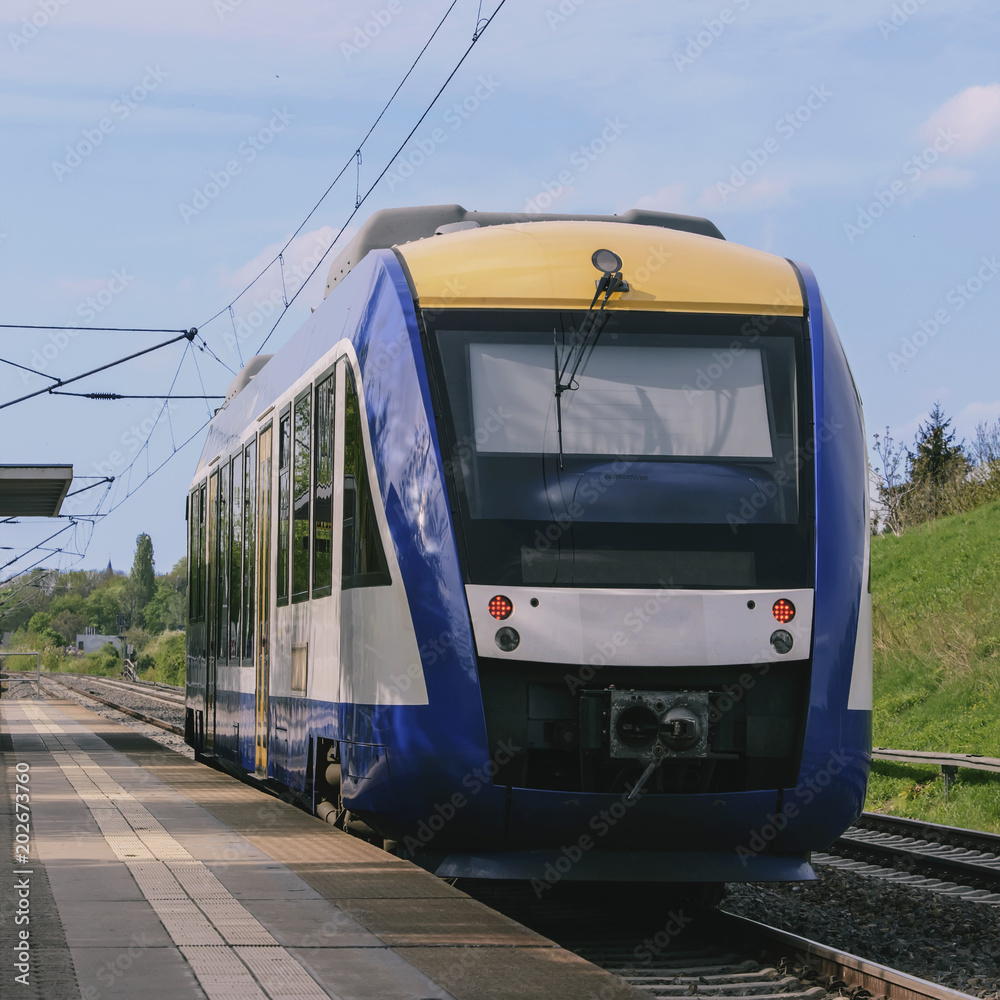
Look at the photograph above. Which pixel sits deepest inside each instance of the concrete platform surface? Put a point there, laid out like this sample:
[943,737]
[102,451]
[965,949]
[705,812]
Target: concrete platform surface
[142,874]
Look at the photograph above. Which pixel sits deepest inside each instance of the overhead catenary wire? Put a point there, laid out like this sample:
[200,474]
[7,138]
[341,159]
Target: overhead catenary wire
[33,548]
[83,489]
[113,482]
[188,335]
[355,156]
[130,491]
[204,347]
[25,368]
[27,569]
[110,481]
[90,329]
[386,168]
[119,395]
[6,596]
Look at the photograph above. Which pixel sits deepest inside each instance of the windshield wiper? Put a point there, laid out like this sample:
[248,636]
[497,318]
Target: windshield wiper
[609,283]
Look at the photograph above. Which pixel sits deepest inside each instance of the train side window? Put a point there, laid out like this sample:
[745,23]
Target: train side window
[222,566]
[212,565]
[249,547]
[301,500]
[201,579]
[364,562]
[284,504]
[322,580]
[196,555]
[235,556]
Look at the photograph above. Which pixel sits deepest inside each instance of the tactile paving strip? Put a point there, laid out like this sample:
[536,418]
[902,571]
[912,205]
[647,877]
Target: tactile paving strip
[156,881]
[285,980]
[232,954]
[197,880]
[222,974]
[234,923]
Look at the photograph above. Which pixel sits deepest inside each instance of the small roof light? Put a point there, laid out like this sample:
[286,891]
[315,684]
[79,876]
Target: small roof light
[607,261]
[501,607]
[783,610]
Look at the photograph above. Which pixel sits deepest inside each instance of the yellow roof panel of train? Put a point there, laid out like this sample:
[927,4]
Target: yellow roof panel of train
[547,265]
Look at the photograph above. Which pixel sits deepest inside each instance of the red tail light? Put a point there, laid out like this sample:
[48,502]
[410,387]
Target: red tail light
[501,607]
[783,610]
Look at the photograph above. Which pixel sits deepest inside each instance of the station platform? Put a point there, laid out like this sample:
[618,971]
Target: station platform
[151,876]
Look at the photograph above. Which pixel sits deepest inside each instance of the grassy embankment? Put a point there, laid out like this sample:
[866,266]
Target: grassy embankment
[936,594]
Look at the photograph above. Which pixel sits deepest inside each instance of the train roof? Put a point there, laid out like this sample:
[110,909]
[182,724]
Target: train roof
[547,265]
[672,263]
[394,226]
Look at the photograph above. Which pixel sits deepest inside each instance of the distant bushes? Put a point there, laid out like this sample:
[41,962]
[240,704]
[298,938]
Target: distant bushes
[104,662]
[163,659]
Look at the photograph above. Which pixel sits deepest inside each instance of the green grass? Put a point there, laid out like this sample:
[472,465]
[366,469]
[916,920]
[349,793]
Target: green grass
[936,598]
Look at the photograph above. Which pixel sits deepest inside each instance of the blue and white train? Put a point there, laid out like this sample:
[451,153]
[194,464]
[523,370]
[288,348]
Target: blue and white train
[542,549]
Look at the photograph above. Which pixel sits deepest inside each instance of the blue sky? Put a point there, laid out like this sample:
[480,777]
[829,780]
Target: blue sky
[156,156]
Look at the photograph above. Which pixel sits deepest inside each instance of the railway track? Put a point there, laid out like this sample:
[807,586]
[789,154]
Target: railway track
[955,836]
[672,948]
[949,860]
[158,709]
[152,690]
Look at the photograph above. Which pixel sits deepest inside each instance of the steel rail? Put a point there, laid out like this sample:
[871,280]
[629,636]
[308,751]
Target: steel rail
[878,980]
[925,856]
[174,701]
[958,835]
[141,716]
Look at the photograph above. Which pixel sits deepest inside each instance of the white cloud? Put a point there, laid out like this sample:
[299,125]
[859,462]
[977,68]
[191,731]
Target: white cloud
[974,116]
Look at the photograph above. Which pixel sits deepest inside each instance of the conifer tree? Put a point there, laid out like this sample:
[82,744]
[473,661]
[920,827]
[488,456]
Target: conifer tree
[143,575]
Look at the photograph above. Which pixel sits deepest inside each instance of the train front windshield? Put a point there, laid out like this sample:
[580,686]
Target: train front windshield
[683,458]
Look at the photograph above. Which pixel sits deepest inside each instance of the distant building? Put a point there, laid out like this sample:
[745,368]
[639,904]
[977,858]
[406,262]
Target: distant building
[90,643]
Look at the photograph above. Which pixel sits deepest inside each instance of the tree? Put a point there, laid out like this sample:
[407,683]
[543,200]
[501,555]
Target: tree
[23,598]
[986,449]
[893,488]
[103,607]
[132,601]
[936,457]
[167,610]
[77,583]
[69,625]
[937,466]
[41,626]
[143,573]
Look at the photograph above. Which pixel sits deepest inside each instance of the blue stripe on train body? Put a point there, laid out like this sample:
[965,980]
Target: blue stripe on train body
[836,752]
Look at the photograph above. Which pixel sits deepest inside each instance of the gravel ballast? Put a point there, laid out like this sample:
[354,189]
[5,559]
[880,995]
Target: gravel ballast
[953,942]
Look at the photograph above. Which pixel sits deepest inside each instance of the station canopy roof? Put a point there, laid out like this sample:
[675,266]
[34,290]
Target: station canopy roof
[33,490]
